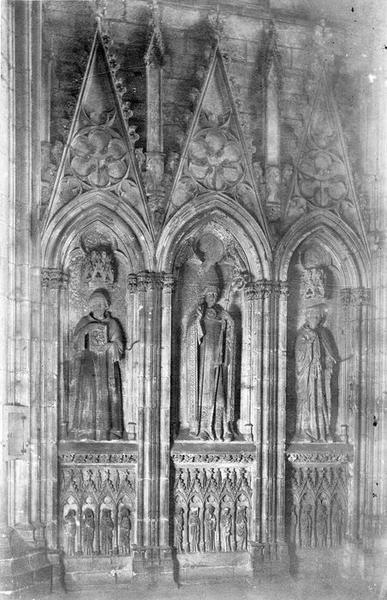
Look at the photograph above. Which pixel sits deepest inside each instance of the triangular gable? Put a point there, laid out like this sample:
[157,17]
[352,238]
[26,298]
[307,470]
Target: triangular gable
[99,153]
[322,176]
[214,158]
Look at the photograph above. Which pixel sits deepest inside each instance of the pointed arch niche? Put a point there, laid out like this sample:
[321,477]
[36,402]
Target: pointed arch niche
[212,244]
[220,248]
[325,265]
[90,247]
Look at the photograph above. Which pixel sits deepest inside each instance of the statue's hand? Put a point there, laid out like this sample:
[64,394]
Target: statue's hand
[111,348]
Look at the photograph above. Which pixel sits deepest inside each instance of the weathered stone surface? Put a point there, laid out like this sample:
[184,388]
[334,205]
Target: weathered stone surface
[211,175]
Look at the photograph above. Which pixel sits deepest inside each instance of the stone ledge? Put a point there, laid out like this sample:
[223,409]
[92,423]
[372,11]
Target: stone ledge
[25,573]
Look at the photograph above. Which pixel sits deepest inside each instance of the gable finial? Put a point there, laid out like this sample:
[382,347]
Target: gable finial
[155,52]
[216,22]
[100,12]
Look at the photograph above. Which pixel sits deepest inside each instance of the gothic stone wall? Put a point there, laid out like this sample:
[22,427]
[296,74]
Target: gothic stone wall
[186,153]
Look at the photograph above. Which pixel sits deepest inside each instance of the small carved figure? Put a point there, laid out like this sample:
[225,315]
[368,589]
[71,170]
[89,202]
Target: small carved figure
[194,529]
[241,528]
[337,525]
[172,162]
[125,527]
[287,173]
[179,529]
[70,530]
[322,526]
[210,524]
[154,172]
[306,526]
[107,528]
[273,180]
[315,359]
[293,525]
[99,342]
[88,531]
[226,527]
[215,335]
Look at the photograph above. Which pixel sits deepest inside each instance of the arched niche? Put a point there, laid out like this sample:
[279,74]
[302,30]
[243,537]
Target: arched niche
[211,246]
[322,259]
[95,249]
[327,270]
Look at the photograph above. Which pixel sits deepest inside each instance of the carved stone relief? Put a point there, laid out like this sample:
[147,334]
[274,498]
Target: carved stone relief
[212,509]
[214,159]
[97,510]
[318,510]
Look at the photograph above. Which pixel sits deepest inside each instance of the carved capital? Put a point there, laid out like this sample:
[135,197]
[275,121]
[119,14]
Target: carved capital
[147,281]
[132,283]
[144,281]
[281,289]
[53,278]
[168,282]
[259,290]
[251,292]
[355,296]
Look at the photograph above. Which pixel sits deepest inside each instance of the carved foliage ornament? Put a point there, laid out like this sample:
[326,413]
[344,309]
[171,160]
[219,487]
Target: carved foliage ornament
[53,278]
[355,296]
[241,457]
[74,457]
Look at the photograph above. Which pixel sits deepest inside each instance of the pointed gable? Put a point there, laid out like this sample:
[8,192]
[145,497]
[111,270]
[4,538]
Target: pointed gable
[323,178]
[99,152]
[215,157]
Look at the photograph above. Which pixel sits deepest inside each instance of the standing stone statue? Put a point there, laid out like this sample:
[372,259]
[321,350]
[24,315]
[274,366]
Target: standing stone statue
[293,525]
[125,527]
[194,530]
[179,529]
[70,530]
[88,531]
[99,344]
[107,528]
[215,364]
[322,526]
[315,359]
[241,528]
[226,527]
[306,526]
[210,524]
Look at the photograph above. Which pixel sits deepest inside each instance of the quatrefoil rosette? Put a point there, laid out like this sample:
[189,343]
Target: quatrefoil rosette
[99,157]
[215,159]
